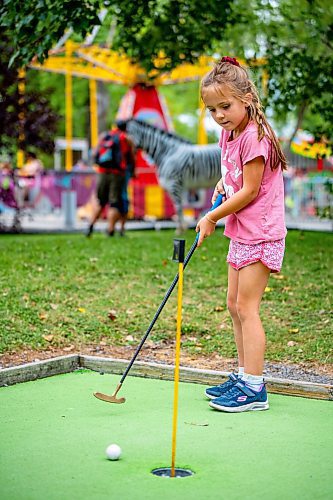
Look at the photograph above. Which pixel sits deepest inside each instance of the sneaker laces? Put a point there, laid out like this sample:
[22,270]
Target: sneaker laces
[232,378]
[238,388]
[230,392]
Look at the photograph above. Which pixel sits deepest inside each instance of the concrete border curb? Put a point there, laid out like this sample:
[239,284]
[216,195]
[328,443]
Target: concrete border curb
[67,364]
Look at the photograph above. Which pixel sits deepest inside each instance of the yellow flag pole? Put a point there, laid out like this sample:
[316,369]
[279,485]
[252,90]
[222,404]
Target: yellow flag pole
[179,250]
[69,109]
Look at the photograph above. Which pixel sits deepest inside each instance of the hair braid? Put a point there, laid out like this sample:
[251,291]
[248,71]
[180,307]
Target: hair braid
[257,114]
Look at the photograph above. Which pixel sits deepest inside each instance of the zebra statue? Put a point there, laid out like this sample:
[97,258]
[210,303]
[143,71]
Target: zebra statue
[181,165]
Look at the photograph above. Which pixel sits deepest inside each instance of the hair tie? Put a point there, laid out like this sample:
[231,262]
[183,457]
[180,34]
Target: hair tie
[231,60]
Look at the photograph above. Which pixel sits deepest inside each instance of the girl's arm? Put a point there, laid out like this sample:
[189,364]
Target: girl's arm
[219,189]
[252,176]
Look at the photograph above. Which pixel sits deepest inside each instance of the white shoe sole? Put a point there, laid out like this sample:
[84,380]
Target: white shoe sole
[211,397]
[256,406]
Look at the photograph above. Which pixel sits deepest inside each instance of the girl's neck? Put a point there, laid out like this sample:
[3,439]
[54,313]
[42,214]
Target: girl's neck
[242,126]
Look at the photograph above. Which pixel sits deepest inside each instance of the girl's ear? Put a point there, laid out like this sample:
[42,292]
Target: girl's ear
[248,98]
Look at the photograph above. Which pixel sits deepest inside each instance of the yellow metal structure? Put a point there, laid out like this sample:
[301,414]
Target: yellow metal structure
[21,116]
[93,113]
[69,111]
[154,201]
[202,133]
[99,63]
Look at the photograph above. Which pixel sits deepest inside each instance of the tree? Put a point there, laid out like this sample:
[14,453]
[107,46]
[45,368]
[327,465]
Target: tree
[182,30]
[36,25]
[294,41]
[39,120]
[298,50]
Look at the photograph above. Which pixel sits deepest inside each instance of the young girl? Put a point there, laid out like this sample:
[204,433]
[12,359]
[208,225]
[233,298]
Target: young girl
[252,185]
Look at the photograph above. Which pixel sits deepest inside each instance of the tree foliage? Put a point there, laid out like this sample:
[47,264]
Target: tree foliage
[39,120]
[181,29]
[299,53]
[293,37]
[36,25]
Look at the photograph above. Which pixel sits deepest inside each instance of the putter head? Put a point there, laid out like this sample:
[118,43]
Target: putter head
[109,399]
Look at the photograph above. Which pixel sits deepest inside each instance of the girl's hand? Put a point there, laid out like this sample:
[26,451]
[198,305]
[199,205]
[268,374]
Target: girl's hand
[219,189]
[205,228]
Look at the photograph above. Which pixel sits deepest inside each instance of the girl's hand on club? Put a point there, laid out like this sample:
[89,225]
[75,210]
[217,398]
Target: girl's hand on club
[205,228]
[219,189]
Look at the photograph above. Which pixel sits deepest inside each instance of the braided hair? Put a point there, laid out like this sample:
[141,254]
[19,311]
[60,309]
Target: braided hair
[229,72]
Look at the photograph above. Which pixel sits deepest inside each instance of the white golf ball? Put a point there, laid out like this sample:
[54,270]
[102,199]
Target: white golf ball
[113,452]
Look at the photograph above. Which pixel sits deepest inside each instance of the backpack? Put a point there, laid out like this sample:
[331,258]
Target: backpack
[108,153]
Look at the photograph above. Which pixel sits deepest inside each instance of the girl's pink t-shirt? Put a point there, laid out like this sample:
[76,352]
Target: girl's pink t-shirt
[263,219]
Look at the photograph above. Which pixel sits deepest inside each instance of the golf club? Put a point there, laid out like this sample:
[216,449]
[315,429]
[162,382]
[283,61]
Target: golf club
[113,398]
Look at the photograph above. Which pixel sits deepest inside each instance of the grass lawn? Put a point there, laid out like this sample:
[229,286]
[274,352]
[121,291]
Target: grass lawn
[63,290]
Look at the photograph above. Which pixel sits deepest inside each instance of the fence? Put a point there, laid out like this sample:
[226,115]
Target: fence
[70,198]
[309,197]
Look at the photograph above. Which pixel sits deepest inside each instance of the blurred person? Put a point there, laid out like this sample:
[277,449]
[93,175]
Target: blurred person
[129,174]
[29,177]
[114,158]
[33,166]
[80,166]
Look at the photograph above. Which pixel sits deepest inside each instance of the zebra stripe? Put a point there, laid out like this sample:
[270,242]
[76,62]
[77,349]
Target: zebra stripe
[181,165]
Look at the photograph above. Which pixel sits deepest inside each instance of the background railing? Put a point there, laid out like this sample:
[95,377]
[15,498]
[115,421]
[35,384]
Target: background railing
[70,198]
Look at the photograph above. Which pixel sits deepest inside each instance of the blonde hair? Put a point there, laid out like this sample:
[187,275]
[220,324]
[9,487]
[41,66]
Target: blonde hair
[230,73]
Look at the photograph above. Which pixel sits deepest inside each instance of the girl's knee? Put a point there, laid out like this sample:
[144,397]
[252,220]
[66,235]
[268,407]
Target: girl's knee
[246,310]
[232,306]
[241,310]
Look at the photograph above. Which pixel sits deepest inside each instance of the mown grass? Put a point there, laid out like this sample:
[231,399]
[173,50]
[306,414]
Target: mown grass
[63,290]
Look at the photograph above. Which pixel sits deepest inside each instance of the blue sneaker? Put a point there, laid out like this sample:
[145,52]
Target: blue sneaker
[218,390]
[241,398]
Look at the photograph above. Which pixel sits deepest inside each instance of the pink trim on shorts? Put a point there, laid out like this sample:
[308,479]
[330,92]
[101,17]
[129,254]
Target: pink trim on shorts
[270,253]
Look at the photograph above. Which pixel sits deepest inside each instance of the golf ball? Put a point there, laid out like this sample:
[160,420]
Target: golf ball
[113,452]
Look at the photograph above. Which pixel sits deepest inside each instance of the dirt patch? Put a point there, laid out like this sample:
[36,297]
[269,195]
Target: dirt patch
[148,353]
[311,372]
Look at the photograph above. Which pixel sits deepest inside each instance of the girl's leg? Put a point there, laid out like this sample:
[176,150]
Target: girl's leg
[233,275]
[217,391]
[252,282]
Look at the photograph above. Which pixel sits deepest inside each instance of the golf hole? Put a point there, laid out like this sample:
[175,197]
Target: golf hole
[166,472]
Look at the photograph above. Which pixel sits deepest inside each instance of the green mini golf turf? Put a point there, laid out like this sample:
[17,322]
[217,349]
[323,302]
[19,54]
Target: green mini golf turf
[54,434]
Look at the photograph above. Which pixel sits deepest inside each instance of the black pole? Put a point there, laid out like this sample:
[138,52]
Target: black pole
[164,301]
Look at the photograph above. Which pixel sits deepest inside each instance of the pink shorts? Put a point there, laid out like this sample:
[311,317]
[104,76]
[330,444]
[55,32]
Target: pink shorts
[270,253]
